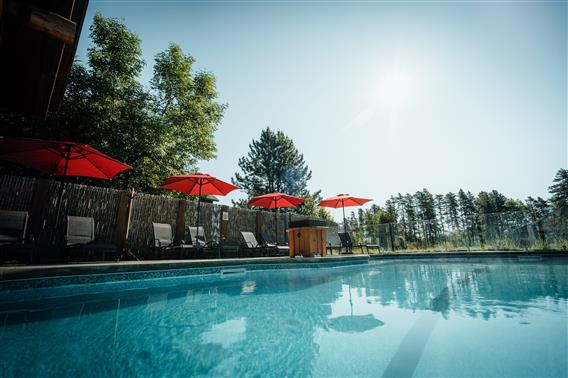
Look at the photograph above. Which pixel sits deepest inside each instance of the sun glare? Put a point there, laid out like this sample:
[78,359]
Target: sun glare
[393,88]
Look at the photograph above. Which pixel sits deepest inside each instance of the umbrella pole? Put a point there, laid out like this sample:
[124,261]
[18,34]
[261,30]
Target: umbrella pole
[275,225]
[198,211]
[344,223]
[60,196]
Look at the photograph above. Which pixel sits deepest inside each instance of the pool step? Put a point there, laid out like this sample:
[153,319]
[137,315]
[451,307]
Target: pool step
[232,272]
[529,258]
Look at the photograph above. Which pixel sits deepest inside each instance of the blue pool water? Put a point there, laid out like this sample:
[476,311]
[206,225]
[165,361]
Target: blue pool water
[423,318]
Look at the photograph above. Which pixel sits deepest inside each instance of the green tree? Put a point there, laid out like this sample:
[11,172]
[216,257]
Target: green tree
[390,212]
[409,207]
[468,212]
[159,131]
[273,164]
[186,104]
[106,105]
[440,204]
[427,214]
[452,210]
[559,192]
[538,208]
[310,207]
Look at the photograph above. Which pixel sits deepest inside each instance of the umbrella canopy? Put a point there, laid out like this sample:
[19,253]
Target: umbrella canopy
[343,201]
[60,158]
[275,201]
[198,184]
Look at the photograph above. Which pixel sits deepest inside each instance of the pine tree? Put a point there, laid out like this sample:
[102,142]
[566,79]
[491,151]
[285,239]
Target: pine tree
[468,212]
[427,215]
[409,209]
[537,209]
[399,199]
[559,192]
[453,210]
[273,164]
[390,210]
[441,208]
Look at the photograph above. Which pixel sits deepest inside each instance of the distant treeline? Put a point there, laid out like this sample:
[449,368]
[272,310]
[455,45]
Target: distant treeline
[461,211]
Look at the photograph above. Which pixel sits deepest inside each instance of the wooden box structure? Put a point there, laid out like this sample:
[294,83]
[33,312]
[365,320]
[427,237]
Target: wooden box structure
[307,238]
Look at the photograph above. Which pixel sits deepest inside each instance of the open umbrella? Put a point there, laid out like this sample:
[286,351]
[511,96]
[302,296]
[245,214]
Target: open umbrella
[60,158]
[198,184]
[343,201]
[275,201]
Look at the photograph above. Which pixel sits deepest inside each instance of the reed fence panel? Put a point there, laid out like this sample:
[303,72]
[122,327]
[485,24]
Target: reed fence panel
[102,204]
[148,209]
[239,220]
[16,192]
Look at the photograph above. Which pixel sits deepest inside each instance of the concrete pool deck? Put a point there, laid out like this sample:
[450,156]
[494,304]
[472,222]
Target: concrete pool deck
[30,276]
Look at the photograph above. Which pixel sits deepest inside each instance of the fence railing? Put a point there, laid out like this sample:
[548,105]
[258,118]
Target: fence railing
[125,218]
[502,231]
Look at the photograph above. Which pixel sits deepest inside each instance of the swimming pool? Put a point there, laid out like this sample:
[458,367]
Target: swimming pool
[424,317]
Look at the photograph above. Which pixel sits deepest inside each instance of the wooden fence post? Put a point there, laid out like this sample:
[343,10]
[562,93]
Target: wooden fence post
[122,224]
[224,228]
[258,225]
[180,222]
[40,199]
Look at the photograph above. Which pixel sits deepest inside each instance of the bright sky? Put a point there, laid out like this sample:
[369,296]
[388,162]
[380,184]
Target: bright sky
[381,97]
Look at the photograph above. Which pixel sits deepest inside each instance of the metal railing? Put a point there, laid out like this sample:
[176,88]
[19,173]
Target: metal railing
[502,231]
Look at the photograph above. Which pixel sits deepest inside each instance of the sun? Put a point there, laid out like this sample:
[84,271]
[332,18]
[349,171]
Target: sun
[393,88]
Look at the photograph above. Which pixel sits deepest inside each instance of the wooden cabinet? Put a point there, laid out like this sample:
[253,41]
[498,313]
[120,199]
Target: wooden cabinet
[307,241]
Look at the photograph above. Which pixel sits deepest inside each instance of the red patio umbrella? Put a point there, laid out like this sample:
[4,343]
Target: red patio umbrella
[198,184]
[275,201]
[343,201]
[60,158]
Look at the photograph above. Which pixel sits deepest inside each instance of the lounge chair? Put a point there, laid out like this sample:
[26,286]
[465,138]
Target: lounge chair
[14,245]
[163,242]
[13,226]
[80,230]
[204,248]
[251,247]
[269,243]
[347,243]
[80,235]
[333,242]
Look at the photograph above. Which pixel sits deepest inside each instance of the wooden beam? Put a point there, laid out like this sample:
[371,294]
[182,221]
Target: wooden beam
[44,21]
[78,16]
[53,24]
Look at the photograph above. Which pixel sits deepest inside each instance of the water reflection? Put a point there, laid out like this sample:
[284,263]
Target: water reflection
[226,333]
[275,322]
[354,323]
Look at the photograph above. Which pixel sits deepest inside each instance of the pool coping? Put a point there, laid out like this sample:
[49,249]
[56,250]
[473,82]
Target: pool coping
[43,276]
[470,254]
[12,277]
